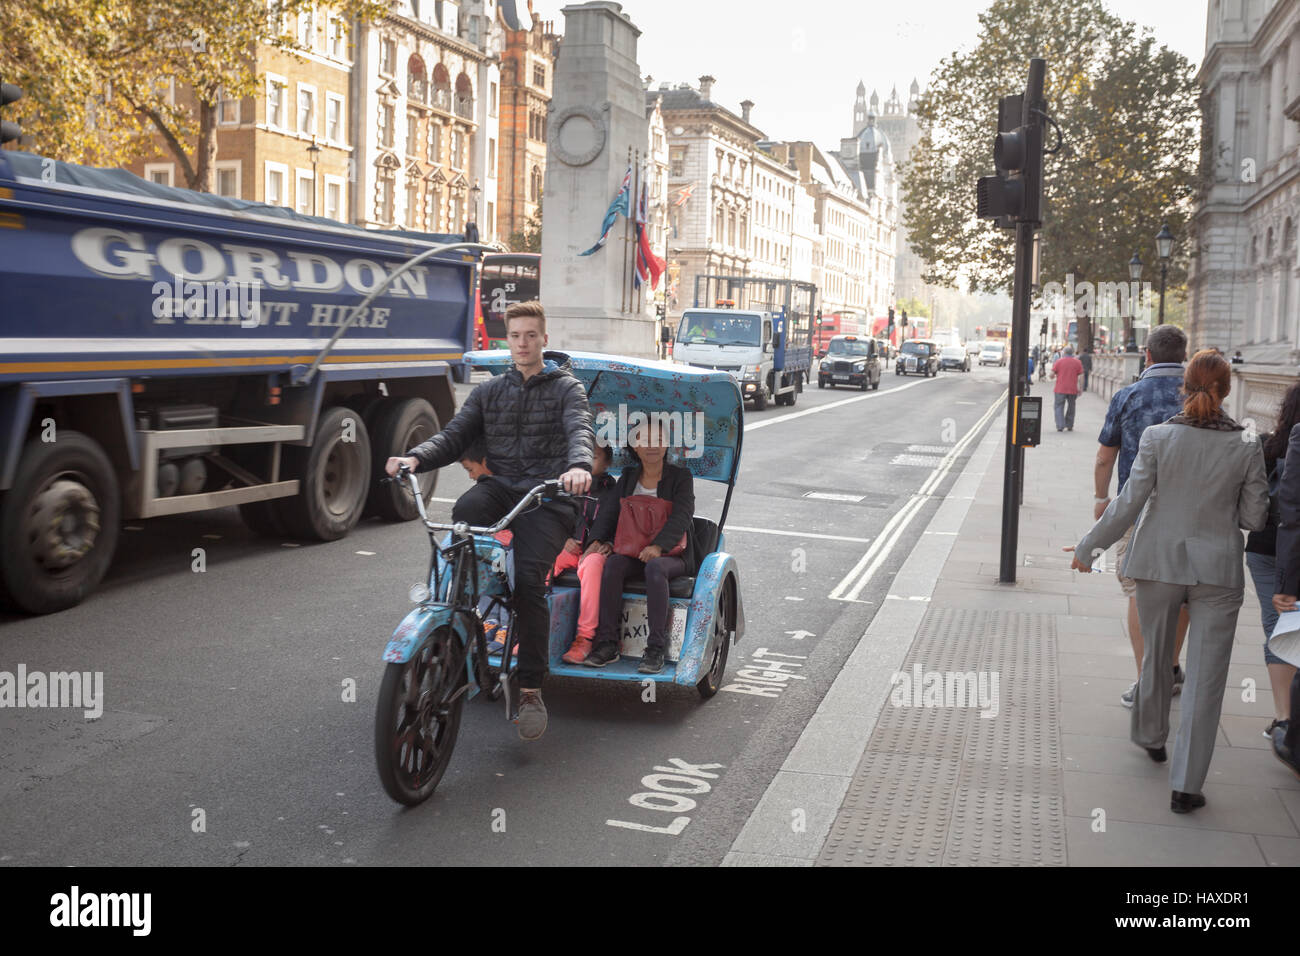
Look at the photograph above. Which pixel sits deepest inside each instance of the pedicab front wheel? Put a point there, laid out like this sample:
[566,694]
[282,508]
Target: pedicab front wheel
[712,680]
[418,717]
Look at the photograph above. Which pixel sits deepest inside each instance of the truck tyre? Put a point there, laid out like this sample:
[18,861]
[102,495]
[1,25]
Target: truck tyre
[760,397]
[400,426]
[334,477]
[59,524]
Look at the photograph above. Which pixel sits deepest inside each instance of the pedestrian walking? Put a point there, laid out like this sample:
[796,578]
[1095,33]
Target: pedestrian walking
[1066,371]
[1155,397]
[1187,548]
[1086,361]
[1262,552]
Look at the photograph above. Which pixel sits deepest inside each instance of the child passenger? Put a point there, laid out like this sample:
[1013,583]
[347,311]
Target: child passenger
[590,566]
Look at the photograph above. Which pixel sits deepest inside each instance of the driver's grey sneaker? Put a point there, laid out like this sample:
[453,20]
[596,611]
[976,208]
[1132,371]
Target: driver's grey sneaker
[532,715]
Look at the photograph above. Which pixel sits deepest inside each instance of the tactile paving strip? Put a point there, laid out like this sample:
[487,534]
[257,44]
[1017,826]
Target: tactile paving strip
[941,784]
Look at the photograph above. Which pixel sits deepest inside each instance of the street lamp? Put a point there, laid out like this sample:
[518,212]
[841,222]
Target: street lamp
[471,223]
[1134,273]
[1164,248]
[314,150]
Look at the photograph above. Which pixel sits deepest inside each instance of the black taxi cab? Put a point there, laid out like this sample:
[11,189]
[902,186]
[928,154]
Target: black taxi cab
[917,357]
[852,360]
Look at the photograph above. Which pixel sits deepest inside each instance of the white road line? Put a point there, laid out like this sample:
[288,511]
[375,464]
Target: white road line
[853,583]
[796,534]
[829,405]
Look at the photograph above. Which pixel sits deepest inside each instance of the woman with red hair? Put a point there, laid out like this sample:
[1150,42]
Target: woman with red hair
[1187,548]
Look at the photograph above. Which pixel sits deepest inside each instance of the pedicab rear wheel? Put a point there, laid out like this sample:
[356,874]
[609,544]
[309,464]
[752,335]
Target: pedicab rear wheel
[722,628]
[417,718]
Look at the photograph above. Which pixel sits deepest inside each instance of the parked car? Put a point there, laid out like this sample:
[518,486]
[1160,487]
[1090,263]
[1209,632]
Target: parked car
[917,357]
[850,360]
[993,353]
[954,356]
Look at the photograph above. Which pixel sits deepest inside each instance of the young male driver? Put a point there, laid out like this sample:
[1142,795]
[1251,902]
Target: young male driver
[536,424]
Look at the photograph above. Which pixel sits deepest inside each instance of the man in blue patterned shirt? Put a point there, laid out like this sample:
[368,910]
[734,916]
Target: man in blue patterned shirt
[1152,399]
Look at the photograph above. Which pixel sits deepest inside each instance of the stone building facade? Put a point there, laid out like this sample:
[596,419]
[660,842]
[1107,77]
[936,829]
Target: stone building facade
[1244,275]
[426,122]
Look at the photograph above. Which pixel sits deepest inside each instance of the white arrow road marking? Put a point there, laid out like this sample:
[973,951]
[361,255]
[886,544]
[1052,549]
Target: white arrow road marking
[800,635]
[853,583]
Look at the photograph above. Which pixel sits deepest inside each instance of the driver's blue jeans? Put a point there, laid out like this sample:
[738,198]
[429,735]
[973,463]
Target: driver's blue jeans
[539,535]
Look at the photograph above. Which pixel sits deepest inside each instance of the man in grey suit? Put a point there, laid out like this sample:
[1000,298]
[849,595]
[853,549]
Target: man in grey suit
[1187,548]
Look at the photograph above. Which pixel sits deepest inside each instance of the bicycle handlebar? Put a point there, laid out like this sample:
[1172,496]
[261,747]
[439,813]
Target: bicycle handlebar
[461,528]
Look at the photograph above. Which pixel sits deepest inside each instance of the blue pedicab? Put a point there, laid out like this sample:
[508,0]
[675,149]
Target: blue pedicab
[439,655]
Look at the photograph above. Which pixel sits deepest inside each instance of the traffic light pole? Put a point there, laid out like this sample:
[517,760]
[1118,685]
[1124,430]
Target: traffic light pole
[1027,224]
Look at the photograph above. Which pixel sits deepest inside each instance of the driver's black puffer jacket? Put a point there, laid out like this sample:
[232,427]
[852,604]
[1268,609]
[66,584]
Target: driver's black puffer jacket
[539,428]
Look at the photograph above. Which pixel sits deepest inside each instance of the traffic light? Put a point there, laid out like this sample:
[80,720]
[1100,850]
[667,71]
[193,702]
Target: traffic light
[1015,192]
[891,319]
[1043,330]
[903,321]
[9,131]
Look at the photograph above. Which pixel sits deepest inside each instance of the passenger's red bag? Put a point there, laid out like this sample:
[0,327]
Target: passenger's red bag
[640,519]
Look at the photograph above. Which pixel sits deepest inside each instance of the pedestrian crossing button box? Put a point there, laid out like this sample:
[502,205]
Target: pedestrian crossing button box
[1029,421]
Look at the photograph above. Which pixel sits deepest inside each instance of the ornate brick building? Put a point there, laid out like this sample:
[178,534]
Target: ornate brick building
[527,68]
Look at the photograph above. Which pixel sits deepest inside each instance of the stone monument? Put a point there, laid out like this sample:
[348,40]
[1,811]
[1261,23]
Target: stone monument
[597,116]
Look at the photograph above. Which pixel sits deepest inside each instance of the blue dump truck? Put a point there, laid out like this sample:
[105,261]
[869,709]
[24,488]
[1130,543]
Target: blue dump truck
[164,351]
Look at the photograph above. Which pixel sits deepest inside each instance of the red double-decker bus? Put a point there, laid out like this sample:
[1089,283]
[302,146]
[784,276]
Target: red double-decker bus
[846,322]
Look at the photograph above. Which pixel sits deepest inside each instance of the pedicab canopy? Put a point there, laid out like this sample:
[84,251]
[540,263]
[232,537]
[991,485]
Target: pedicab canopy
[701,409]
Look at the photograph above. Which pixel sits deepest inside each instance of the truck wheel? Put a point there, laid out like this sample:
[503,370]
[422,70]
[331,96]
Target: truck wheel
[793,395]
[760,398]
[59,524]
[334,478]
[399,427]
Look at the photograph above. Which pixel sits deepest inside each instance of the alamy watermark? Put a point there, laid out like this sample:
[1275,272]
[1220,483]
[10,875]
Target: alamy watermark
[220,303]
[83,689]
[1132,298]
[946,689]
[684,430]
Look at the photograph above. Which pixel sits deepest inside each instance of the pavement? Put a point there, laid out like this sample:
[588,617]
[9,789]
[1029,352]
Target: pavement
[1038,770]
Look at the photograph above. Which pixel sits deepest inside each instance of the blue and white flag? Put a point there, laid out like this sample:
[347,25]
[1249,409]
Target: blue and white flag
[621,204]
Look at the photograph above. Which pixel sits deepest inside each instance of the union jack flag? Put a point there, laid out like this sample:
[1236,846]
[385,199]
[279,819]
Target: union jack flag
[648,265]
[622,204]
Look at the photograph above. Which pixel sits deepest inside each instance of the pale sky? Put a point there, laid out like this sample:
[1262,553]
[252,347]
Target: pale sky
[800,61]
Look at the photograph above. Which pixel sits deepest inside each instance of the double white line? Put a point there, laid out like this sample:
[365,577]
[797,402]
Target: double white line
[853,583]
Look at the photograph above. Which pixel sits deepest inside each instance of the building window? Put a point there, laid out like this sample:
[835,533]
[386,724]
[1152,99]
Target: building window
[306,109]
[464,97]
[458,212]
[227,109]
[492,99]
[539,76]
[441,87]
[457,149]
[677,161]
[412,135]
[334,198]
[338,33]
[492,158]
[275,103]
[386,125]
[433,196]
[333,118]
[535,185]
[412,204]
[435,142]
[306,193]
[307,28]
[276,175]
[385,211]
[416,86]
[160,173]
[491,223]
[228,178]
[387,56]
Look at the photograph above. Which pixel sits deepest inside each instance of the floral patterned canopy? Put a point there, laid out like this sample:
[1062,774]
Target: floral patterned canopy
[702,409]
